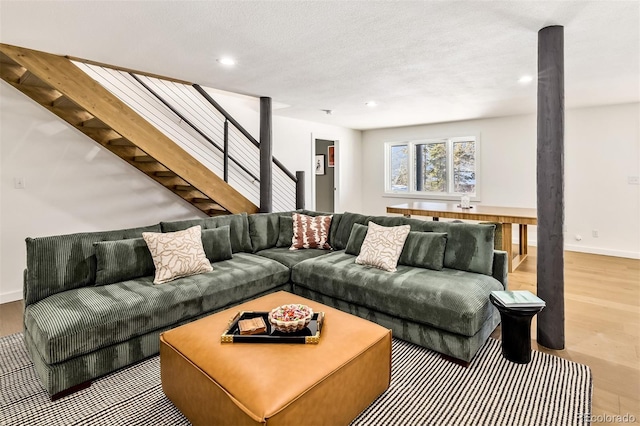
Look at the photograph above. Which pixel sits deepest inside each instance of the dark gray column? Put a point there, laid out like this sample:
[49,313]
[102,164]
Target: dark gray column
[266,158]
[419,168]
[300,190]
[550,183]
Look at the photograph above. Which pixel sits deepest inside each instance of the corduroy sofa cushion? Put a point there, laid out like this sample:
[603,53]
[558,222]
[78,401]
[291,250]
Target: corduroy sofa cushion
[238,224]
[424,250]
[452,300]
[83,320]
[217,243]
[469,246]
[289,258]
[421,249]
[65,262]
[264,229]
[122,260]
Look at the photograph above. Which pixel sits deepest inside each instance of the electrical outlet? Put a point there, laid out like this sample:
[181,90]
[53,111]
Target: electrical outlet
[594,233]
[633,180]
[19,183]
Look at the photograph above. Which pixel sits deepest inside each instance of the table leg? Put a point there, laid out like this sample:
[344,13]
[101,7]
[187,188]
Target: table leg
[523,240]
[522,248]
[507,243]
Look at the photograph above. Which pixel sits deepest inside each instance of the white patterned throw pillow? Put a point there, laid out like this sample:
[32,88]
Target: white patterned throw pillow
[382,246]
[177,254]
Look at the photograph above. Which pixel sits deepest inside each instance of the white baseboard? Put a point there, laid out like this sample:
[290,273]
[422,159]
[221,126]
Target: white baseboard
[591,250]
[11,296]
[604,252]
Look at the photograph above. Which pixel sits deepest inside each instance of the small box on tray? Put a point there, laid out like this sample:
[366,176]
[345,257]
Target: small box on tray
[252,326]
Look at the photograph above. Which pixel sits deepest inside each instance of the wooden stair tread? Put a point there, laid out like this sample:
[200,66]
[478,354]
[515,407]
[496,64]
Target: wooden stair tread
[64,102]
[120,142]
[12,72]
[74,116]
[95,123]
[28,79]
[143,159]
[191,194]
[102,136]
[173,182]
[211,207]
[42,95]
[199,200]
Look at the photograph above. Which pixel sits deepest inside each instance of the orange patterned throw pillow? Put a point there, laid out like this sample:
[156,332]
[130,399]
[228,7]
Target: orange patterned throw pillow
[177,254]
[310,232]
[382,246]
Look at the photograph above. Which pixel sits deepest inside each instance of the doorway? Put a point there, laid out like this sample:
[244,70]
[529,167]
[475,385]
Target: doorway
[325,176]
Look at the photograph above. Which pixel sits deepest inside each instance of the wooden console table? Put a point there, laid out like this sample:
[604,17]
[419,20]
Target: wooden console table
[504,215]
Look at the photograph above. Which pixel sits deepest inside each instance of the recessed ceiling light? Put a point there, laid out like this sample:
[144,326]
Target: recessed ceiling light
[227,61]
[525,79]
[371,104]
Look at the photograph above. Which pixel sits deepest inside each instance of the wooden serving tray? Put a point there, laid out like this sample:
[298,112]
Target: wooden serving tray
[309,334]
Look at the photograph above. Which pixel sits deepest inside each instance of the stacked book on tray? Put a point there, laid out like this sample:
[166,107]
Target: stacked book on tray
[518,299]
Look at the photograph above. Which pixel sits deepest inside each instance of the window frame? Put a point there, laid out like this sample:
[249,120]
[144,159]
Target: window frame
[412,193]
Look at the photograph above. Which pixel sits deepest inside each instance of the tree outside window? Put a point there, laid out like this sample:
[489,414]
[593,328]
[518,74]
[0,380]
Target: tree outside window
[439,167]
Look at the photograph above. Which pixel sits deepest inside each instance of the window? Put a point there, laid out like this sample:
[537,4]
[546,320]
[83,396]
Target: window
[440,167]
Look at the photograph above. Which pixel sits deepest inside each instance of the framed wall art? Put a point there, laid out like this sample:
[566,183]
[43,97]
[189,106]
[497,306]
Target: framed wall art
[320,164]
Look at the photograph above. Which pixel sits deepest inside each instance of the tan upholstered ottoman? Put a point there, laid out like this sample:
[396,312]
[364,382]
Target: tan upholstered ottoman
[330,383]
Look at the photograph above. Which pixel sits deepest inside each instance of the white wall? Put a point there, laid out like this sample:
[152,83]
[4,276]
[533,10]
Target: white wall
[601,151]
[75,185]
[292,145]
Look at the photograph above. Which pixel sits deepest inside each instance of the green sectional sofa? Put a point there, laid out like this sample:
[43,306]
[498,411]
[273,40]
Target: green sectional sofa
[76,330]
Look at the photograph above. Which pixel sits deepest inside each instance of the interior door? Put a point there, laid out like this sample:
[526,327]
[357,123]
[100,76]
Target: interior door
[325,175]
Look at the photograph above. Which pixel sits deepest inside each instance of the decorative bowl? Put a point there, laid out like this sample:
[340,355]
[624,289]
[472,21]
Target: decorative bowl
[290,318]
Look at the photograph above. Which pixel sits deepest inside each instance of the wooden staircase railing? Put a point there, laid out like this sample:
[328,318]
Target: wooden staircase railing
[65,90]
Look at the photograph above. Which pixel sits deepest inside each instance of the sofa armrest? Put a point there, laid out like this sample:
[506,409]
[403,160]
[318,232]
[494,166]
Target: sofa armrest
[500,266]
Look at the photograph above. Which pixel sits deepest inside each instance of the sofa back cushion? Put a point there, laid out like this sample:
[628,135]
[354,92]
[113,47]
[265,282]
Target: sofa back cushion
[343,231]
[64,262]
[421,249]
[217,243]
[469,245]
[424,250]
[238,224]
[358,234]
[264,229]
[285,236]
[122,260]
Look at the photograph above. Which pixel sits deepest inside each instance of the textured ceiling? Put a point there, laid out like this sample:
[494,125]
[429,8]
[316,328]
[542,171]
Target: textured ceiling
[423,62]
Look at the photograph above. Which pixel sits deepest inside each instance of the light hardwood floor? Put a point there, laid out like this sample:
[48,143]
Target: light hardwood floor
[602,325]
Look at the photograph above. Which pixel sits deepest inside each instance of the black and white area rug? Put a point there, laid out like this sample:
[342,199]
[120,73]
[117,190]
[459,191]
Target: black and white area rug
[425,390]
